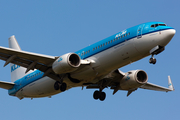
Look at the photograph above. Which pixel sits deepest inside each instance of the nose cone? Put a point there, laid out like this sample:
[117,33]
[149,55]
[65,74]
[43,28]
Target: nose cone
[167,36]
[172,32]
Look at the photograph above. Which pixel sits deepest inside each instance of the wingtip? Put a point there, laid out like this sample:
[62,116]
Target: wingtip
[170,85]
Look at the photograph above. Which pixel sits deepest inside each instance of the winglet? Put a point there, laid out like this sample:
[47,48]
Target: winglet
[170,85]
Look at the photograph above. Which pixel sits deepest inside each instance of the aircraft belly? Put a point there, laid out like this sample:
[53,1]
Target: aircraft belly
[86,74]
[40,88]
[105,62]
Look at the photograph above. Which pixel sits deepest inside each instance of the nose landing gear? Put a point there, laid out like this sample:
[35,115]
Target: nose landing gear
[154,51]
[152,60]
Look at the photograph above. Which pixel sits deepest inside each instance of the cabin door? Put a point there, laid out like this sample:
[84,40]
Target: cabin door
[139,31]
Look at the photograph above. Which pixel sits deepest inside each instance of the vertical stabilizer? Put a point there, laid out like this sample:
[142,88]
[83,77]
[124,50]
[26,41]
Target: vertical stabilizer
[17,71]
[13,43]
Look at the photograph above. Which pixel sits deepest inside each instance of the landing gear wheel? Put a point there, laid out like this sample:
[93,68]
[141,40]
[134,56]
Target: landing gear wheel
[152,61]
[56,85]
[102,96]
[63,87]
[96,95]
[99,95]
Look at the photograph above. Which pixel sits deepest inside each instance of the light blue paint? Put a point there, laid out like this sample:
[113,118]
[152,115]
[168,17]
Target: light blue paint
[147,29]
[14,67]
[26,80]
[127,78]
[60,59]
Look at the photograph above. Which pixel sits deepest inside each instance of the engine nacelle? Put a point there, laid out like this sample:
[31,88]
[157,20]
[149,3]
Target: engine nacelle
[66,63]
[133,79]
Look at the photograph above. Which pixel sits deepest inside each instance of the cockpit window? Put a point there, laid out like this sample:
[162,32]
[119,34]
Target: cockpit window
[152,25]
[155,25]
[162,25]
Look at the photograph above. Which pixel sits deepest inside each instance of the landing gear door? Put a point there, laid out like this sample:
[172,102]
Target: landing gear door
[139,31]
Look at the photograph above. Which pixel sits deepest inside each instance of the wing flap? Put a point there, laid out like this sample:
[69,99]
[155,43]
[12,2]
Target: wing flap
[6,85]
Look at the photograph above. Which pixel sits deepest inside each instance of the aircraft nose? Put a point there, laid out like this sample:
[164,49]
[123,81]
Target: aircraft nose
[172,32]
[168,36]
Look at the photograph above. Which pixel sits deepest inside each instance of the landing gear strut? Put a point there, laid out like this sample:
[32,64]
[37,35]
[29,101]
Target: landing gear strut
[152,60]
[154,51]
[58,85]
[99,95]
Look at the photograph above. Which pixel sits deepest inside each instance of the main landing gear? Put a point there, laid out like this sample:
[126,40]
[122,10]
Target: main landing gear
[58,85]
[99,95]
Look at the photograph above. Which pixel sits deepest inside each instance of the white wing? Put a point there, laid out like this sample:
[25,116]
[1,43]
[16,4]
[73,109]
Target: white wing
[151,86]
[29,60]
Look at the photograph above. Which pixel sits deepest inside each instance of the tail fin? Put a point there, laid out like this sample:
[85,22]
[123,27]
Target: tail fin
[17,71]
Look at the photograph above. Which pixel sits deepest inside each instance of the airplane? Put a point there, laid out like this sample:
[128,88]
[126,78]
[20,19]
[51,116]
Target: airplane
[94,67]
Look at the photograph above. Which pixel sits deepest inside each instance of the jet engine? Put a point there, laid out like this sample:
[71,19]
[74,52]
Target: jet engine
[133,79]
[66,63]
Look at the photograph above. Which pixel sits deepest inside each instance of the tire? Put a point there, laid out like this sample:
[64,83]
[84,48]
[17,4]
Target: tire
[63,87]
[102,96]
[151,60]
[56,86]
[154,61]
[96,95]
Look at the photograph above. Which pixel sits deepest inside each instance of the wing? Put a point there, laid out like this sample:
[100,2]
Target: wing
[29,60]
[151,86]
[6,85]
[32,61]
[113,80]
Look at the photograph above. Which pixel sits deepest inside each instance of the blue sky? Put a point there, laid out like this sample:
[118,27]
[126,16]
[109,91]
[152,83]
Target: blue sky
[58,27]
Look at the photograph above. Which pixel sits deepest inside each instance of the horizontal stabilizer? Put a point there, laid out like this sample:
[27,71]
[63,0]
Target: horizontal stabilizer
[151,86]
[6,85]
